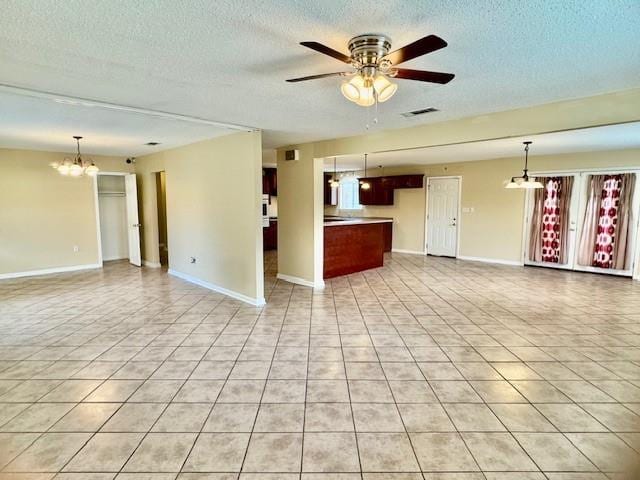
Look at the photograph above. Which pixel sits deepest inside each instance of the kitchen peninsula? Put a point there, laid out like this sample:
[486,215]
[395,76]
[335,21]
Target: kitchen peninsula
[353,244]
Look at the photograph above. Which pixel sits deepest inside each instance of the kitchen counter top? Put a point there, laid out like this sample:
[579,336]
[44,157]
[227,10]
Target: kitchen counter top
[337,221]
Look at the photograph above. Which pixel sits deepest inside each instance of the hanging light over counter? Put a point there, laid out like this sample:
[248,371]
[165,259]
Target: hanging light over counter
[364,185]
[77,166]
[524,181]
[333,181]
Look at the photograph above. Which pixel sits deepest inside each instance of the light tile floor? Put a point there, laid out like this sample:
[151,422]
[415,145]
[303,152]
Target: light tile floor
[426,368]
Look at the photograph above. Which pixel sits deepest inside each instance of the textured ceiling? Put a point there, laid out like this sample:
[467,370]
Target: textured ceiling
[611,137]
[227,60]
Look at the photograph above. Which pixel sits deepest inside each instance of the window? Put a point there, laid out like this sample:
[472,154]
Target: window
[349,198]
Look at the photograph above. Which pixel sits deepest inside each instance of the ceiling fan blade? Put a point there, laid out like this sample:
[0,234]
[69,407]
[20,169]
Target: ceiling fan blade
[425,45]
[318,47]
[314,77]
[424,75]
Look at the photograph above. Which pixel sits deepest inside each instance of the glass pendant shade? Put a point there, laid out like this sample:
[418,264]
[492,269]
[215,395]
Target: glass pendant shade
[384,88]
[75,170]
[350,91]
[531,184]
[63,169]
[92,170]
[365,185]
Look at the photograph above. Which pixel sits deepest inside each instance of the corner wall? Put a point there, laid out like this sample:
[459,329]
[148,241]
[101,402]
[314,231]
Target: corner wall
[213,196]
[43,214]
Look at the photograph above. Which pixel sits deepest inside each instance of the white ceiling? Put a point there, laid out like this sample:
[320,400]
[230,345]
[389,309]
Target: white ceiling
[44,124]
[227,61]
[612,137]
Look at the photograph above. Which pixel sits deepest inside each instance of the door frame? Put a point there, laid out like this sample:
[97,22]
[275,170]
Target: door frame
[580,174]
[96,201]
[425,247]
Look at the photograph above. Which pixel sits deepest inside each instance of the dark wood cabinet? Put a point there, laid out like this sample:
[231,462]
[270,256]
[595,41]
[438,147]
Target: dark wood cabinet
[270,181]
[327,188]
[382,188]
[270,236]
[387,231]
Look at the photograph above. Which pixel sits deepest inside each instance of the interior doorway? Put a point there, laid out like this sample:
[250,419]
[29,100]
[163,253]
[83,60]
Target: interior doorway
[161,202]
[441,225]
[117,217]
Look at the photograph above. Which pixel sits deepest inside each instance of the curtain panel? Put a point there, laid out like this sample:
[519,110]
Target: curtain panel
[606,228]
[549,226]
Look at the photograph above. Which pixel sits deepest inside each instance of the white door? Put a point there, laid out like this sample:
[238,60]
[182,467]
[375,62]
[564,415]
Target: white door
[442,216]
[133,226]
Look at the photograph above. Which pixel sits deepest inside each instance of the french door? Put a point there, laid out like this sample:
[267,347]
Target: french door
[577,215]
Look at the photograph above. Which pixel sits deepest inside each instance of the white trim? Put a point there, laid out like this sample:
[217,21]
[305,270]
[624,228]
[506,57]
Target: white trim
[300,281]
[96,201]
[258,302]
[86,102]
[48,271]
[150,264]
[497,261]
[411,252]
[426,211]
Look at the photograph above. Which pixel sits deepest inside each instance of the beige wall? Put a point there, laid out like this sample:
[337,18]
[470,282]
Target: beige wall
[298,232]
[213,195]
[43,215]
[494,229]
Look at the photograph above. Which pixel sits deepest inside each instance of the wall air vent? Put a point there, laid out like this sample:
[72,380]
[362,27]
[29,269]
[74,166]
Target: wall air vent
[152,144]
[419,112]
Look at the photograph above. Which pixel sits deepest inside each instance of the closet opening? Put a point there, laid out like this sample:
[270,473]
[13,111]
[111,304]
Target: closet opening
[585,221]
[117,217]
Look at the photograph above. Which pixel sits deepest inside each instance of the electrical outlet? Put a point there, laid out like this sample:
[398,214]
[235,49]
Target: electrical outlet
[192,259]
[76,248]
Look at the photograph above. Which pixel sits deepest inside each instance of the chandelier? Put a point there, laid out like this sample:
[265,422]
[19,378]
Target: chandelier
[76,166]
[524,181]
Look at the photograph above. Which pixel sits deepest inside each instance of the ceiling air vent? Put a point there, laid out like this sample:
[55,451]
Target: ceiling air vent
[152,144]
[419,112]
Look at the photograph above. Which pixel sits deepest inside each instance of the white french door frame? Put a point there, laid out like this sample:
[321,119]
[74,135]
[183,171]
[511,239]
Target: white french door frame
[426,212]
[580,176]
[96,202]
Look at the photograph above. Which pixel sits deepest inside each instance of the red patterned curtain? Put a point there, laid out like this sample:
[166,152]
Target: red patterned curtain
[550,220]
[610,250]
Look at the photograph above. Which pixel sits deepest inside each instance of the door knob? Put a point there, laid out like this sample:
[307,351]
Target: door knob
[137,224]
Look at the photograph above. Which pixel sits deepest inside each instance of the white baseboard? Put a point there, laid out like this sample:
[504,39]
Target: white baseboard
[149,264]
[48,271]
[300,281]
[257,302]
[497,261]
[411,252]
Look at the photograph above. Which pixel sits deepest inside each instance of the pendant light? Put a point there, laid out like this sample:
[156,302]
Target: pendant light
[524,181]
[363,184]
[334,180]
[77,166]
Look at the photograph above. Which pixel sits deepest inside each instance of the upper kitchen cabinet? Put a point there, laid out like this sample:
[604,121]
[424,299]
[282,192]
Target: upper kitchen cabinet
[381,189]
[329,197]
[270,181]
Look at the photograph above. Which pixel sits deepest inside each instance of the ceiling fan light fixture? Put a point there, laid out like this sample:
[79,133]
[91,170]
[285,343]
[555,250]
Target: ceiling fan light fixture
[384,88]
[350,91]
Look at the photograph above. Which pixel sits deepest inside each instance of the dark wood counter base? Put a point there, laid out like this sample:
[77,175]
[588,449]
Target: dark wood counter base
[353,248]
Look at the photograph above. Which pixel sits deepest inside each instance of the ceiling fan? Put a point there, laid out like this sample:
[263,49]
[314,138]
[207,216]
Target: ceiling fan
[374,65]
